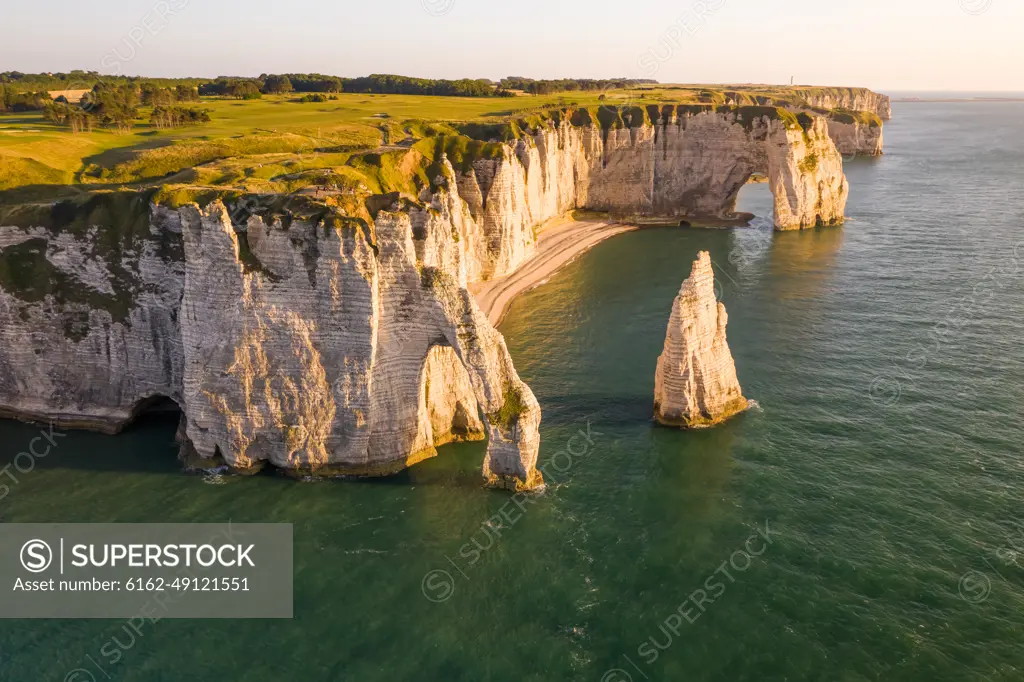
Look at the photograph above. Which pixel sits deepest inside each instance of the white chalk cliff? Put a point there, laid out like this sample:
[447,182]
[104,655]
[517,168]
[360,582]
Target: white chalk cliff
[321,347]
[856,138]
[695,383]
[336,343]
[852,99]
[681,163]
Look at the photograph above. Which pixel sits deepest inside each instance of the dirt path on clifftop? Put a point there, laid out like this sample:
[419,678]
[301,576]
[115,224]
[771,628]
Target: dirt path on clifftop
[558,243]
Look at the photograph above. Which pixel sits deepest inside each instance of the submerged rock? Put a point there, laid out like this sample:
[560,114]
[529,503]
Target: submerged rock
[695,384]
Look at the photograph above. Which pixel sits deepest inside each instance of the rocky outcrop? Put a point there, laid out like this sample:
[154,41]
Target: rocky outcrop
[327,346]
[340,355]
[856,138]
[853,99]
[660,163]
[695,384]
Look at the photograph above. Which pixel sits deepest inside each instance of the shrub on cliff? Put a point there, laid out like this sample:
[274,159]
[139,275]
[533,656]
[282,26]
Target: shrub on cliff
[848,116]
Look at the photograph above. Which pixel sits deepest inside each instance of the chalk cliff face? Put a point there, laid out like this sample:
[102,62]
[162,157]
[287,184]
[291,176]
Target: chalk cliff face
[695,384]
[854,99]
[856,138]
[322,348]
[89,324]
[678,164]
[335,356]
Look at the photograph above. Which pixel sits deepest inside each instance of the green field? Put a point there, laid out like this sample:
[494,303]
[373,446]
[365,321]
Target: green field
[272,144]
[34,151]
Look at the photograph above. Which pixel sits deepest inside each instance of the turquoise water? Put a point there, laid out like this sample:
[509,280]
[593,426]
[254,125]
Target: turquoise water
[883,464]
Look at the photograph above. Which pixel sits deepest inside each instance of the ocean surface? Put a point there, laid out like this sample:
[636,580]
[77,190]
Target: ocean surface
[864,522]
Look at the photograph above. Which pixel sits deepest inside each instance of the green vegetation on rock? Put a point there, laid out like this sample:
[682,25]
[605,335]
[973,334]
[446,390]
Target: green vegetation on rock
[867,118]
[463,151]
[809,164]
[514,406]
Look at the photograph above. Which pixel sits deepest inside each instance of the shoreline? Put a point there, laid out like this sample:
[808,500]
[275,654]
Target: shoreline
[559,242]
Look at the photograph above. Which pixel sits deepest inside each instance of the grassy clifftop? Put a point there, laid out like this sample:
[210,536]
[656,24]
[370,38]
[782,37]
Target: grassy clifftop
[338,153]
[251,141]
[343,173]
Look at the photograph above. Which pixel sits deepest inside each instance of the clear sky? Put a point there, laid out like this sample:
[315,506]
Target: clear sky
[882,44]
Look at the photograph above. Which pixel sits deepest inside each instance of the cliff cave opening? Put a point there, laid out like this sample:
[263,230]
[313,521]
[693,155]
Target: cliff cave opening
[156,407]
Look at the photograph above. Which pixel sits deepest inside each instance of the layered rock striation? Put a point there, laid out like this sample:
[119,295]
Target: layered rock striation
[89,329]
[695,383]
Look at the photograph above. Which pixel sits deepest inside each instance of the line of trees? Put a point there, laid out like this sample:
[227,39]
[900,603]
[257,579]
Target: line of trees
[117,106]
[546,87]
[387,84]
[82,80]
[177,117]
[239,88]
[27,92]
[154,95]
[314,82]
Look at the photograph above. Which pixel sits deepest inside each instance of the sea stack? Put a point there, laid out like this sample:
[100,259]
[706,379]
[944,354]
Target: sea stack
[695,384]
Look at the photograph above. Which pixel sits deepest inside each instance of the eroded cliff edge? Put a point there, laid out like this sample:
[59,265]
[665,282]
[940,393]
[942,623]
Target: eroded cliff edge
[333,332]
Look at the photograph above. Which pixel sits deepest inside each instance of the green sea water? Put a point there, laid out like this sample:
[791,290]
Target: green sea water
[863,522]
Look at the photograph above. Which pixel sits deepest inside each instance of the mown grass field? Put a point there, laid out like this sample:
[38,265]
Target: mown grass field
[251,144]
[34,151]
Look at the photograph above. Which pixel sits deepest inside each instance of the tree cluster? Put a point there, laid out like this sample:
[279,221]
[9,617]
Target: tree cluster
[108,105]
[239,88]
[113,106]
[154,95]
[276,85]
[177,117]
[75,117]
[13,100]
